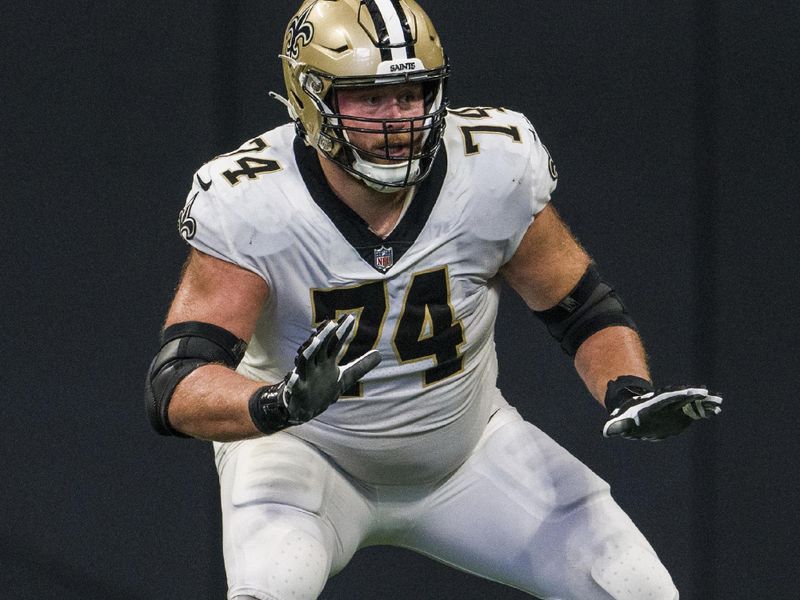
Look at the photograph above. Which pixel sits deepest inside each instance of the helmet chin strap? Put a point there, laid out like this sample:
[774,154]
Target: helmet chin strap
[391,176]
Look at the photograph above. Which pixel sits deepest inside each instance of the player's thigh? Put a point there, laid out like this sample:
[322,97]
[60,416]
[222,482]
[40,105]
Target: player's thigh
[289,517]
[524,512]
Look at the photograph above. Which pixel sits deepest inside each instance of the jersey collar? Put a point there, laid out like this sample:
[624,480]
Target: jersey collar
[380,253]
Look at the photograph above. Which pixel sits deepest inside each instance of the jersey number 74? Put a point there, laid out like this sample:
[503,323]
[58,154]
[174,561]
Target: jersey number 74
[425,329]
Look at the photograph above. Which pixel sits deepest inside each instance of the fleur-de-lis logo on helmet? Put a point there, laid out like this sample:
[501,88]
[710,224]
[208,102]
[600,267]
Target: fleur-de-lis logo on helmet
[299,30]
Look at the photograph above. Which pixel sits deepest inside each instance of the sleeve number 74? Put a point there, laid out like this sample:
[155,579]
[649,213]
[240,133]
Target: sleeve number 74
[426,328]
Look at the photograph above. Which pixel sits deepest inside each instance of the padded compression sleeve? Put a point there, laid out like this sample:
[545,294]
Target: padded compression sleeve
[591,306]
[185,347]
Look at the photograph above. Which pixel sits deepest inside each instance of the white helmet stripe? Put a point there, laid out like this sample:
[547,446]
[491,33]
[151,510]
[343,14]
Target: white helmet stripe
[394,27]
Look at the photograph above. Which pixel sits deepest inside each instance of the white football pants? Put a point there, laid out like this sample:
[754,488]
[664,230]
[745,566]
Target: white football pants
[521,511]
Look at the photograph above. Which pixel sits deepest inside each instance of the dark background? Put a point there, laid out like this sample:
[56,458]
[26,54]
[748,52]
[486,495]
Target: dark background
[674,128]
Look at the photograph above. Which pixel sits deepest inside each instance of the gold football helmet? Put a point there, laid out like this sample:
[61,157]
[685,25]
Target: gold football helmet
[335,44]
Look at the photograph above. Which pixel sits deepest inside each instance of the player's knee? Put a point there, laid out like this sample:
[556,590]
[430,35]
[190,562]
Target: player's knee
[296,567]
[633,572]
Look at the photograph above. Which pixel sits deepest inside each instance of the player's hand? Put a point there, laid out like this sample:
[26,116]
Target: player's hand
[317,379]
[648,414]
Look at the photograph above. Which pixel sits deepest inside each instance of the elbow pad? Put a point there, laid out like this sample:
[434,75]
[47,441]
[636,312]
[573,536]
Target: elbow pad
[184,348]
[591,306]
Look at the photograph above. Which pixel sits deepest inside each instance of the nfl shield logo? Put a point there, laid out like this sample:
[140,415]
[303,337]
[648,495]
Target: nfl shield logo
[384,258]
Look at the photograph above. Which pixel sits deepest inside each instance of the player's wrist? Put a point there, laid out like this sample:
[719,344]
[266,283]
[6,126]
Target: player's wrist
[624,388]
[268,410]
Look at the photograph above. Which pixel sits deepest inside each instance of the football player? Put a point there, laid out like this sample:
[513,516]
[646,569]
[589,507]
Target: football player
[332,333]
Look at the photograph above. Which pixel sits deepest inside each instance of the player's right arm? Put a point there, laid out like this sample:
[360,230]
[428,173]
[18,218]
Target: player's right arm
[211,402]
[192,387]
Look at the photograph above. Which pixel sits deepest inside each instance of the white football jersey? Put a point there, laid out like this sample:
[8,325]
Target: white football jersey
[425,296]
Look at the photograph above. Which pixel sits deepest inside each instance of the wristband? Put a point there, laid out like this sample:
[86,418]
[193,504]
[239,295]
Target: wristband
[624,388]
[268,410]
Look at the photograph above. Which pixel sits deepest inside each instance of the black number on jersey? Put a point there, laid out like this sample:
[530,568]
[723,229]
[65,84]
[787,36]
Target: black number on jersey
[427,327]
[369,302]
[255,145]
[474,112]
[469,131]
[251,168]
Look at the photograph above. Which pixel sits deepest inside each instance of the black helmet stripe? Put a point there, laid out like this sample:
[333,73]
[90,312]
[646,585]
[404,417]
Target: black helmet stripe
[391,26]
[380,29]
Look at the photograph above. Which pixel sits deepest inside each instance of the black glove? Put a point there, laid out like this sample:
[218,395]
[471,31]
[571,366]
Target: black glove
[316,381]
[639,411]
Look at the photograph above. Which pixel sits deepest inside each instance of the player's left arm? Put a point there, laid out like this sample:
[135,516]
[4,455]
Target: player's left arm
[546,267]
[556,278]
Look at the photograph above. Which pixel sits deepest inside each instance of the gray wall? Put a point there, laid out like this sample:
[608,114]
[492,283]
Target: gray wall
[674,128]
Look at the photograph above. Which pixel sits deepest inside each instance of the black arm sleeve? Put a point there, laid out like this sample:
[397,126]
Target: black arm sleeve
[185,347]
[591,306]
